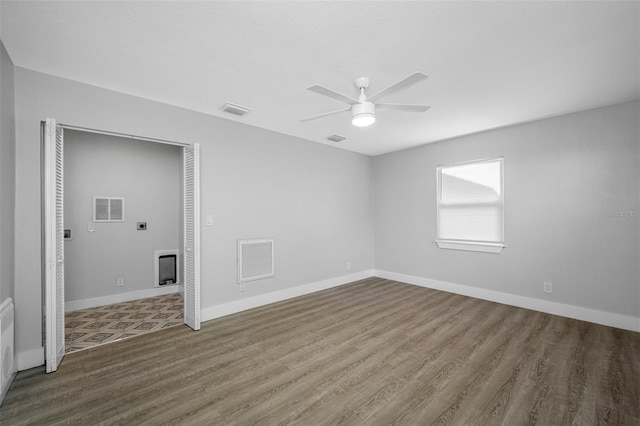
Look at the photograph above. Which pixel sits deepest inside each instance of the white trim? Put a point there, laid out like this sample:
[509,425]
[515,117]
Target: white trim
[569,311]
[470,246]
[229,308]
[75,305]
[479,160]
[122,135]
[30,359]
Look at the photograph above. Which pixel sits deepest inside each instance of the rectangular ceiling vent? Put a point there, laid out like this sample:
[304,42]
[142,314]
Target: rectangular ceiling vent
[235,109]
[255,259]
[336,138]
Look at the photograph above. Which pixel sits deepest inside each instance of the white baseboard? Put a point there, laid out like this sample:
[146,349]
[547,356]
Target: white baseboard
[229,308]
[570,311]
[30,359]
[75,305]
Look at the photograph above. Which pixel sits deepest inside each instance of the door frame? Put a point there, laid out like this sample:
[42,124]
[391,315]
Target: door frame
[193,247]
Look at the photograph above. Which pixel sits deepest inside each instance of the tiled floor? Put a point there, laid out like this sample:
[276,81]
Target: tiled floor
[91,327]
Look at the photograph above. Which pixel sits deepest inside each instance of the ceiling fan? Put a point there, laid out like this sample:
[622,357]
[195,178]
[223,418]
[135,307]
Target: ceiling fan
[363,110]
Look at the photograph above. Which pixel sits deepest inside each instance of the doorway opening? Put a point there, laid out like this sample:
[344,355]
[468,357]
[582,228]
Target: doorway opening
[55,231]
[122,206]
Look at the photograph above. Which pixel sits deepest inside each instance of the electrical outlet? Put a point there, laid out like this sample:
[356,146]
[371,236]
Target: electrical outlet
[348,266]
[120,282]
[547,287]
[241,287]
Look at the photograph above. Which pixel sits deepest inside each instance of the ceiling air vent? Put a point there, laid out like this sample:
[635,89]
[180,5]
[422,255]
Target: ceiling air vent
[235,109]
[336,138]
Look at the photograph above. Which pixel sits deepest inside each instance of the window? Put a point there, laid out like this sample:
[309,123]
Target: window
[108,209]
[471,206]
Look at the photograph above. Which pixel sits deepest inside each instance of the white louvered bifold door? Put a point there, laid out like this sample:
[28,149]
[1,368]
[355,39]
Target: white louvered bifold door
[192,236]
[54,244]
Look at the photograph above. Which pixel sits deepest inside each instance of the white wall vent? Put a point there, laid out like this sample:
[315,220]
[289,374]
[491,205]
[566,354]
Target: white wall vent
[235,109]
[108,209]
[255,259]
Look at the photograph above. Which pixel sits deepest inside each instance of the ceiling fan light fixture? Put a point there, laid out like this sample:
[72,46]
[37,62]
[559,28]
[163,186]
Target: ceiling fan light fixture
[363,114]
[363,120]
[363,110]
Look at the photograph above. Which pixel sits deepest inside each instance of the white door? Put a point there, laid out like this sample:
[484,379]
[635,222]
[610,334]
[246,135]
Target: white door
[54,245]
[191,158]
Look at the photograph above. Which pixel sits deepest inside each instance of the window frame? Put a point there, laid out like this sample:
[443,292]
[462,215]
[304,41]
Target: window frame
[462,244]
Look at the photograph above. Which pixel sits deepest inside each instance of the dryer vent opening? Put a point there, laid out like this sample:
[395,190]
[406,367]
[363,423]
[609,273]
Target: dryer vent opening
[166,268]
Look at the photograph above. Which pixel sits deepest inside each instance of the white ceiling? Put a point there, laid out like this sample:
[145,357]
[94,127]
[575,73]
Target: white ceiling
[490,64]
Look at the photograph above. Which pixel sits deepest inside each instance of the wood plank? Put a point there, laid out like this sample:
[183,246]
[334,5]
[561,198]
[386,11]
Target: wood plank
[371,352]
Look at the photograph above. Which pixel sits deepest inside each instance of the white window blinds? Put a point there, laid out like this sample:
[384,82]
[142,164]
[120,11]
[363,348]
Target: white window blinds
[471,202]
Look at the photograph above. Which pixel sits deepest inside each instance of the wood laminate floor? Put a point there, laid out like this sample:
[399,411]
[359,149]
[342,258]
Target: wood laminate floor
[371,352]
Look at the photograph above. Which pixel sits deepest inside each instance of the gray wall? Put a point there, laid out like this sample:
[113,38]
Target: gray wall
[7,175]
[315,200]
[148,175]
[562,177]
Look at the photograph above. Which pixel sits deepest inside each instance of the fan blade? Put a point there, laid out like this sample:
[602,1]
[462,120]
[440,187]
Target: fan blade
[332,94]
[400,107]
[405,82]
[325,114]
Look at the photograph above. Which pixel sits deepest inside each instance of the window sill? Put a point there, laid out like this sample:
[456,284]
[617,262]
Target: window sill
[470,246]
